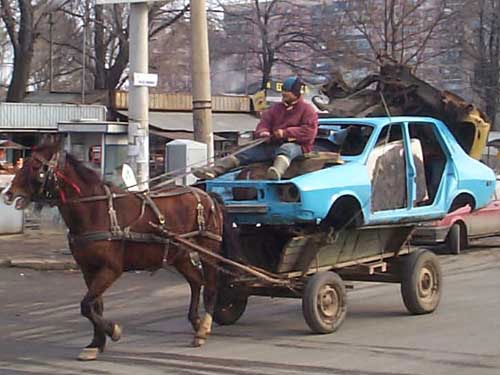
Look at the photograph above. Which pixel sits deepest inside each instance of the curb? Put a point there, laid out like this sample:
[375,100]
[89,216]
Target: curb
[39,265]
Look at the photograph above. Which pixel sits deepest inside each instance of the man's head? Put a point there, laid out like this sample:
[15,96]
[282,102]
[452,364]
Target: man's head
[292,87]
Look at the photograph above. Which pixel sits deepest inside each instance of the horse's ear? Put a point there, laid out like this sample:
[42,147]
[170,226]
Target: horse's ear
[51,143]
[49,140]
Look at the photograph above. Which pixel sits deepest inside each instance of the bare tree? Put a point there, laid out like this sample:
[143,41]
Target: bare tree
[4,62]
[27,24]
[270,33]
[22,19]
[405,31]
[109,52]
[55,67]
[482,45]
[170,55]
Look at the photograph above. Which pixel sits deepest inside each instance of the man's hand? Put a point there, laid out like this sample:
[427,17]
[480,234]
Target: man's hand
[279,134]
[263,134]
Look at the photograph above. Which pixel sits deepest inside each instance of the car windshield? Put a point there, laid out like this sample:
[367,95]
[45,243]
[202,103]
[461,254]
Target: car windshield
[347,139]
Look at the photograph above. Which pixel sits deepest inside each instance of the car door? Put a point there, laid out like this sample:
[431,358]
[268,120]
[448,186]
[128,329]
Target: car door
[485,221]
[387,168]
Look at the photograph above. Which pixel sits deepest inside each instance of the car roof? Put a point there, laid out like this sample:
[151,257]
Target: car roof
[373,121]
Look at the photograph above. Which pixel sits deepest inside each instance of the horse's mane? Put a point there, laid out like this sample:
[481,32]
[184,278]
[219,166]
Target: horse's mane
[85,173]
[90,176]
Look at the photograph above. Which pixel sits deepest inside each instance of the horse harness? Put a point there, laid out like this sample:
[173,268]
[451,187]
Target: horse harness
[52,174]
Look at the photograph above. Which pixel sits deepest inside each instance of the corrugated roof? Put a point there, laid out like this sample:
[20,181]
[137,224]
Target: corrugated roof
[183,121]
[34,117]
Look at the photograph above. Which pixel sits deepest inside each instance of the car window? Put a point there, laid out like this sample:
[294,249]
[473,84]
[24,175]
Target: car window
[434,157]
[395,134]
[349,140]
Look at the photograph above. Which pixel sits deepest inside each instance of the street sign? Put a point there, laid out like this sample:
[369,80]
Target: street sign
[145,79]
[104,2]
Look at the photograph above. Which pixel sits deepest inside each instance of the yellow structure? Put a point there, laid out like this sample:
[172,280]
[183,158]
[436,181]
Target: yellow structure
[482,128]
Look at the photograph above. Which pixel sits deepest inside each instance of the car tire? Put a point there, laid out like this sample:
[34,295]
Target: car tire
[324,303]
[421,282]
[456,239]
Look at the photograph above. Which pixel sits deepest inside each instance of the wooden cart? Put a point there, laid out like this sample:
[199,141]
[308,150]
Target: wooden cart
[314,266]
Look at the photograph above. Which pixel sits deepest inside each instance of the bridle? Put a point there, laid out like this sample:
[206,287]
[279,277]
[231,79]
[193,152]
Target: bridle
[50,176]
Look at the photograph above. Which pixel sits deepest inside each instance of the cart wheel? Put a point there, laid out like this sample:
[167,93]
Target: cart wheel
[229,309]
[324,303]
[421,282]
[456,239]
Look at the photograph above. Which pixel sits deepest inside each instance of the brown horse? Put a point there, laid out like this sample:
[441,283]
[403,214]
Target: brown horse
[112,231]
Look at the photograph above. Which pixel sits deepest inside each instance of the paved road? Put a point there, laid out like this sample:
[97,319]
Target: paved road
[42,331]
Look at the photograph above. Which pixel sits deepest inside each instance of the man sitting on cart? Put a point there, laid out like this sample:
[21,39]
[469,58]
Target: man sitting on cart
[289,128]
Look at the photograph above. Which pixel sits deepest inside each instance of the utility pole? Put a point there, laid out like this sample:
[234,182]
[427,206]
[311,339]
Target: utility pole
[246,73]
[84,48]
[138,124]
[51,53]
[200,72]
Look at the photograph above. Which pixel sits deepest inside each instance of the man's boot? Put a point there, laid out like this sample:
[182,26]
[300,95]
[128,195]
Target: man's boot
[280,165]
[221,166]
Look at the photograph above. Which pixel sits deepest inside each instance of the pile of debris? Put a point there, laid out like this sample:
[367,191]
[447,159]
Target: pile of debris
[397,91]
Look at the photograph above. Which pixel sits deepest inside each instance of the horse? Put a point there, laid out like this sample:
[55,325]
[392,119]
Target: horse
[112,231]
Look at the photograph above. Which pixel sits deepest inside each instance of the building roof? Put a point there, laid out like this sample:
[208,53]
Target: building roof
[32,117]
[89,126]
[91,97]
[183,121]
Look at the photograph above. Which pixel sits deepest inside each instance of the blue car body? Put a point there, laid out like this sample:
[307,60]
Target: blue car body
[317,192]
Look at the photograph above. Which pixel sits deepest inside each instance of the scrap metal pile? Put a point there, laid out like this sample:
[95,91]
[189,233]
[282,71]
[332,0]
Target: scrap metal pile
[397,91]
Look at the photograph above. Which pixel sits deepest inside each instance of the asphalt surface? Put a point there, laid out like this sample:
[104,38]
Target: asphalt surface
[43,331]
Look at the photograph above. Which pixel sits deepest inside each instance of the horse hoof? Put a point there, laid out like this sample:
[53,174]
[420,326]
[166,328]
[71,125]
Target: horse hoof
[198,341]
[117,332]
[88,354]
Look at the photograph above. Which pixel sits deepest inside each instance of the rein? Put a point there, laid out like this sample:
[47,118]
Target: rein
[53,174]
[116,233]
[181,172]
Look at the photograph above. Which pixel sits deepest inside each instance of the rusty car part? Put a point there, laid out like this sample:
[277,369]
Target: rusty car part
[405,94]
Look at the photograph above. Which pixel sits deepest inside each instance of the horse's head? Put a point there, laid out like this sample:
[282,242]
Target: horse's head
[34,181]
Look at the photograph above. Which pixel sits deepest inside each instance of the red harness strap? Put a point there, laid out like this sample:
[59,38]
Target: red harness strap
[68,181]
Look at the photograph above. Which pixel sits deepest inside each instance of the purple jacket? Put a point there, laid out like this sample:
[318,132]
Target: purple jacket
[300,122]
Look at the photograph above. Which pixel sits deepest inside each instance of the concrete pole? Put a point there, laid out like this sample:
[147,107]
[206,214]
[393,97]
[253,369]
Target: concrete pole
[51,52]
[200,73]
[138,123]
[84,48]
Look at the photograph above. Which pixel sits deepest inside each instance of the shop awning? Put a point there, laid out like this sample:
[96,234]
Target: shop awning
[183,121]
[6,144]
[178,135]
